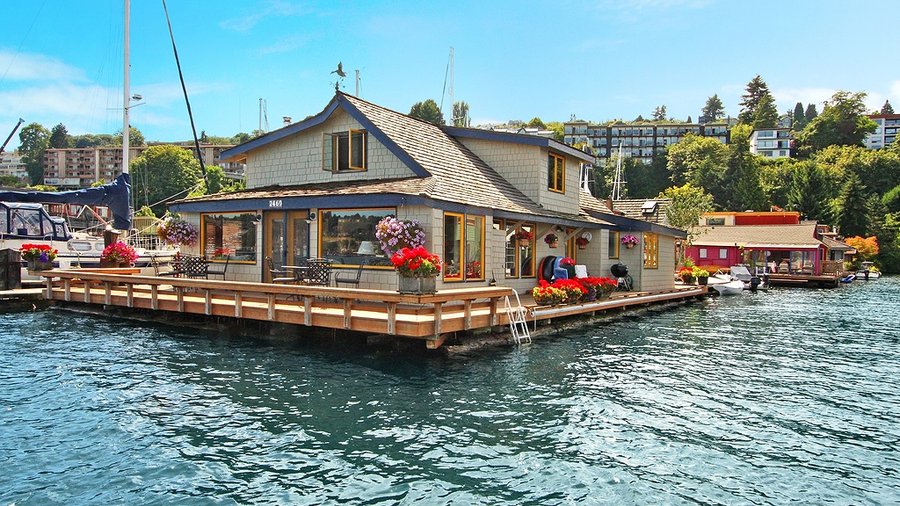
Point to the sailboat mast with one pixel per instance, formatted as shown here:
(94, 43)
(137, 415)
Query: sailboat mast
(126, 129)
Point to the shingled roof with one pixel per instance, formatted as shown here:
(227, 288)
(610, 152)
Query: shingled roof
(759, 236)
(632, 209)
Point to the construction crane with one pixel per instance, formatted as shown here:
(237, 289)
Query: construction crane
(11, 134)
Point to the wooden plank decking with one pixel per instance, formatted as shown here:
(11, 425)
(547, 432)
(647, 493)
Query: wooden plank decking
(428, 317)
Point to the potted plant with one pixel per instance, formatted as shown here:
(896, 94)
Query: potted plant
(629, 241)
(177, 232)
(551, 239)
(702, 275)
(38, 256)
(417, 269)
(582, 242)
(394, 234)
(118, 254)
(523, 237)
(687, 275)
(546, 294)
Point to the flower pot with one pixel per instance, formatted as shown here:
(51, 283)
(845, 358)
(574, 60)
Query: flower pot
(702, 280)
(37, 265)
(418, 286)
(524, 243)
(554, 244)
(582, 246)
(629, 245)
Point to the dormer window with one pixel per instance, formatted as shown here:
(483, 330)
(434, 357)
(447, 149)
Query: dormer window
(556, 173)
(344, 151)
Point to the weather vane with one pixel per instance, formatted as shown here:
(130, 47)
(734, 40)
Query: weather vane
(341, 75)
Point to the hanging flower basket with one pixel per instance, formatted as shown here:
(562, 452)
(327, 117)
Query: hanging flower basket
(582, 242)
(629, 241)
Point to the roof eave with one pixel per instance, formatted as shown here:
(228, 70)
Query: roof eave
(530, 140)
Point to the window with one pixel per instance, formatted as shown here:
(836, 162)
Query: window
(703, 253)
(463, 247)
(715, 221)
(651, 250)
(519, 252)
(613, 244)
(344, 151)
(232, 234)
(343, 231)
(723, 253)
(556, 173)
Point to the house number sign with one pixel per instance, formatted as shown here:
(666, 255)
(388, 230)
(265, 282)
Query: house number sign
(276, 203)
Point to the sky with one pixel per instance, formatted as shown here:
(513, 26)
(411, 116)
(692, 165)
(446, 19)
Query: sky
(61, 61)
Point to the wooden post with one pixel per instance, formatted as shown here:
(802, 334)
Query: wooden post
(467, 322)
(392, 318)
(67, 288)
(271, 299)
(348, 311)
(107, 298)
(129, 294)
(179, 296)
(307, 310)
(87, 291)
(438, 306)
(154, 297)
(208, 297)
(238, 304)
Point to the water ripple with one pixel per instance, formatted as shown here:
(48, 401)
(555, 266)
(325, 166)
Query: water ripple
(769, 398)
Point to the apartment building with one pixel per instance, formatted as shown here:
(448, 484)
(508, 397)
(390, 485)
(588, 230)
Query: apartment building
(772, 142)
(639, 140)
(886, 132)
(11, 165)
(74, 168)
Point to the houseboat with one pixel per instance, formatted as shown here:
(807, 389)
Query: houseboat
(488, 202)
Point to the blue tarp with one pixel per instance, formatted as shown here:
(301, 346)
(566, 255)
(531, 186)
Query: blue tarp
(115, 195)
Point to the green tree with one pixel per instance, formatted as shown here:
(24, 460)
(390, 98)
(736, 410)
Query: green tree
(853, 209)
(536, 123)
(886, 108)
(699, 161)
(639, 119)
(218, 182)
(427, 111)
(811, 191)
(557, 128)
(461, 116)
(59, 137)
(755, 91)
(713, 109)
(810, 113)
(135, 137)
(843, 122)
(765, 115)
(742, 189)
(688, 204)
(240, 138)
(163, 173)
(33, 141)
(799, 120)
(646, 181)
(891, 199)
(659, 114)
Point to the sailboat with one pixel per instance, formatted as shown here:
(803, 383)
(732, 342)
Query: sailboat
(23, 219)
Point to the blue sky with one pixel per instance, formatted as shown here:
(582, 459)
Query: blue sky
(61, 61)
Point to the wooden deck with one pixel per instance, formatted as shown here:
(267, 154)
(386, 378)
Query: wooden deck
(804, 280)
(427, 317)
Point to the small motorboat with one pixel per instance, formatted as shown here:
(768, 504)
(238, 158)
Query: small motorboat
(848, 278)
(868, 271)
(733, 287)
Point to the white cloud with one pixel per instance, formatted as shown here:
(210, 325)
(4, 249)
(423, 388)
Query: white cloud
(36, 67)
(271, 8)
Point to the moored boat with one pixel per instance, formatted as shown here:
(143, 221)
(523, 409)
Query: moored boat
(867, 271)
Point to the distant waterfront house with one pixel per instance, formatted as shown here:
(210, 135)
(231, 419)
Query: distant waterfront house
(776, 241)
(318, 187)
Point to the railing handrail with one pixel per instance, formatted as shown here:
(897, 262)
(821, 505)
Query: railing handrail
(455, 294)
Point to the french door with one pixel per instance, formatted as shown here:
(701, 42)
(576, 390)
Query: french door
(286, 239)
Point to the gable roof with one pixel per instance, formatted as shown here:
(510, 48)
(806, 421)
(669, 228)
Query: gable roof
(448, 171)
(759, 236)
(517, 138)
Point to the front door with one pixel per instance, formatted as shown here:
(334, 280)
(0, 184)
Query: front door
(286, 240)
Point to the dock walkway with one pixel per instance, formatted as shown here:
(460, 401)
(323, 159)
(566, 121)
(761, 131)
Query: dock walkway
(427, 317)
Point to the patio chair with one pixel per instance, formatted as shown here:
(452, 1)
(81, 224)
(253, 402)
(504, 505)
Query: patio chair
(348, 278)
(318, 271)
(218, 269)
(280, 276)
(195, 267)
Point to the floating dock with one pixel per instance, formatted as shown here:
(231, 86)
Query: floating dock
(431, 317)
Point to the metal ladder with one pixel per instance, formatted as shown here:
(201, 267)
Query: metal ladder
(518, 325)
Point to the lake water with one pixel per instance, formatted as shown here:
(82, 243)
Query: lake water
(791, 396)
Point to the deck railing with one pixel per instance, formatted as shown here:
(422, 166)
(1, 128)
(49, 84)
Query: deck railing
(374, 311)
